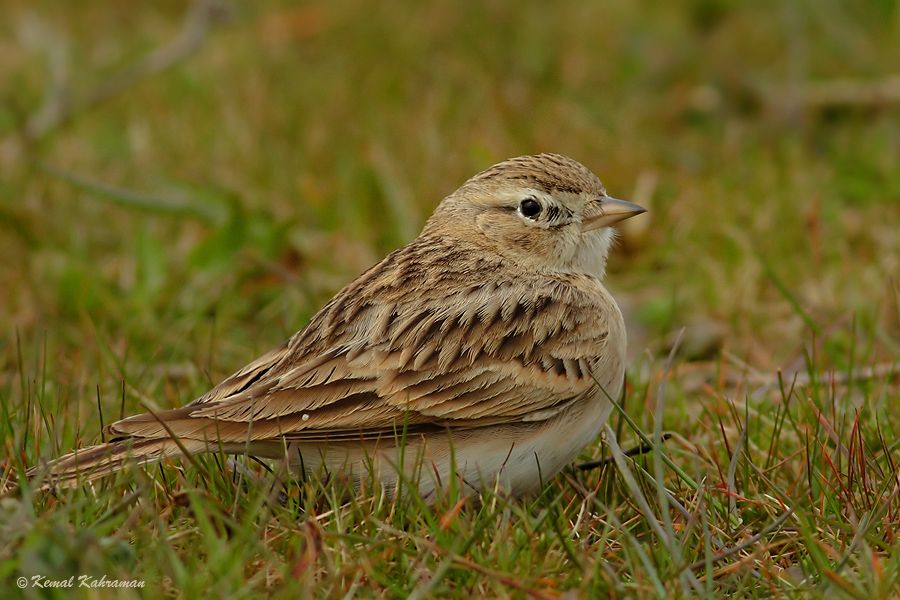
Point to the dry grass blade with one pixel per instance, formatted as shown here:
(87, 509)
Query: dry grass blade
(688, 579)
(750, 542)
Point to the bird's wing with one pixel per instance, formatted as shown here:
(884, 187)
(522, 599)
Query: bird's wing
(379, 357)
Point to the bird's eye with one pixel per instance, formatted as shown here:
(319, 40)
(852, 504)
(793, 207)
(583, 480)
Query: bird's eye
(529, 207)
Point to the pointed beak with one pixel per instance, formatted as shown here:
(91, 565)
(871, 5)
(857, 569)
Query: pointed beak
(609, 211)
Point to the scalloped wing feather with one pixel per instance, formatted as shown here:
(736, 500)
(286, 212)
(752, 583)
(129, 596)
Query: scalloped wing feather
(396, 348)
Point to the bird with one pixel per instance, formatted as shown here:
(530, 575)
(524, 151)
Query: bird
(485, 352)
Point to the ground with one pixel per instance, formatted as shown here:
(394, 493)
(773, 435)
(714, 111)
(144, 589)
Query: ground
(180, 193)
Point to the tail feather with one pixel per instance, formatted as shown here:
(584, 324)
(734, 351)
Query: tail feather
(94, 462)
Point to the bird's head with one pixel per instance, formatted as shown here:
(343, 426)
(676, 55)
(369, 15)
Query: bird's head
(547, 212)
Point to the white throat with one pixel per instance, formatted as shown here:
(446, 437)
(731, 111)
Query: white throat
(590, 257)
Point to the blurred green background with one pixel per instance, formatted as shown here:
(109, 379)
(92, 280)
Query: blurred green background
(294, 144)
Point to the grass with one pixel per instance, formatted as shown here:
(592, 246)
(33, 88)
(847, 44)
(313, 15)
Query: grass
(164, 237)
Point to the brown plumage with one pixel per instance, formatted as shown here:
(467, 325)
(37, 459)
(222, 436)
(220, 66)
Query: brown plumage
(485, 338)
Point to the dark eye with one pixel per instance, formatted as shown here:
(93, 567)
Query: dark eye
(529, 207)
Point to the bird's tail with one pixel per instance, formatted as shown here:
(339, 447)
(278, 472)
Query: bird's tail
(148, 438)
(94, 462)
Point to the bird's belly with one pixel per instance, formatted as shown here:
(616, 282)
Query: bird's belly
(535, 457)
(517, 459)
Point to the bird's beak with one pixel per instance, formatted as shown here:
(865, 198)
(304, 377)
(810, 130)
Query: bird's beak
(608, 211)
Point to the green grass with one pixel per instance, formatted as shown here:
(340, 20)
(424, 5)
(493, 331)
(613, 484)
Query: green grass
(160, 240)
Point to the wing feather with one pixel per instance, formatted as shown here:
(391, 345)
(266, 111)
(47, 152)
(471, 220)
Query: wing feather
(390, 350)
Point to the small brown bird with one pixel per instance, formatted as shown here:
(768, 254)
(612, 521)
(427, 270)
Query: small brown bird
(484, 350)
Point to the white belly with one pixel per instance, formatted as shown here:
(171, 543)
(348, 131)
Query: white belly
(517, 459)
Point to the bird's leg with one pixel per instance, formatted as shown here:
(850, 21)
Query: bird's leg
(635, 451)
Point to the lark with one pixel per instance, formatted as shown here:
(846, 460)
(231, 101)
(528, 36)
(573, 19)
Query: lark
(485, 350)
